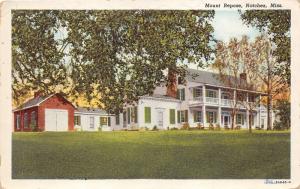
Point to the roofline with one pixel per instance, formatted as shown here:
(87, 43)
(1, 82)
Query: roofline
(38, 104)
(92, 113)
(165, 99)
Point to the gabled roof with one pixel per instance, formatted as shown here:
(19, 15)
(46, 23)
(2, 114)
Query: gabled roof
(36, 101)
(205, 77)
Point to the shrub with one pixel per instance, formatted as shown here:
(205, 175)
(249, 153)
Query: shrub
(173, 128)
(155, 128)
(143, 129)
(257, 128)
(277, 126)
(200, 126)
(226, 127)
(33, 127)
(185, 126)
(99, 128)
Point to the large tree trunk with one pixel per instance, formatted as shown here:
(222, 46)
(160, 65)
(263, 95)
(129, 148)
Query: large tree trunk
(250, 121)
(172, 83)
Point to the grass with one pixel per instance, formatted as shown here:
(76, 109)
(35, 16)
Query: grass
(151, 155)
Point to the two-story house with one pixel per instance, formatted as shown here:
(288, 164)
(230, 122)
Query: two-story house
(202, 99)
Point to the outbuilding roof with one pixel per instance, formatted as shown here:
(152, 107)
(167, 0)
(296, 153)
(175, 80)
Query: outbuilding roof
(90, 110)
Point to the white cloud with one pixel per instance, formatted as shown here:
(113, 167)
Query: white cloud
(227, 24)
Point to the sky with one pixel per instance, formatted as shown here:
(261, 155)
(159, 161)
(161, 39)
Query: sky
(227, 24)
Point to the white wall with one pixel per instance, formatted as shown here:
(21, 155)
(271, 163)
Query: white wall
(156, 105)
(85, 122)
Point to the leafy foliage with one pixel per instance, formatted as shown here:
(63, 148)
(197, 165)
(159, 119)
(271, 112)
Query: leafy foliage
(283, 108)
(37, 56)
(277, 24)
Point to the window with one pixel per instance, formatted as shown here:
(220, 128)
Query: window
(118, 119)
(26, 120)
(18, 121)
(33, 119)
(181, 94)
(197, 116)
(240, 119)
(172, 116)
(109, 122)
(92, 122)
(147, 114)
(197, 92)
(211, 93)
(77, 120)
(180, 81)
(211, 117)
(103, 121)
(182, 116)
(262, 125)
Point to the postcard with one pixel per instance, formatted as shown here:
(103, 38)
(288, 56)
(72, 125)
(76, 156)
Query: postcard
(148, 94)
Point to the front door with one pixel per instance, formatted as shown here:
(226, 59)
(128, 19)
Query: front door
(226, 120)
(160, 119)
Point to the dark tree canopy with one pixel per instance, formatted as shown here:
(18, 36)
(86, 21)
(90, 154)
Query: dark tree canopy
(117, 55)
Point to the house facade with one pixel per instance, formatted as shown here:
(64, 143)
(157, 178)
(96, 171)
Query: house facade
(45, 113)
(201, 100)
(92, 119)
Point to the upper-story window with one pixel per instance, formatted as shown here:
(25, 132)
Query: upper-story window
(180, 81)
(211, 93)
(181, 94)
(197, 92)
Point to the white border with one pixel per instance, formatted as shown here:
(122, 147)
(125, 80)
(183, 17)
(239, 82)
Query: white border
(6, 108)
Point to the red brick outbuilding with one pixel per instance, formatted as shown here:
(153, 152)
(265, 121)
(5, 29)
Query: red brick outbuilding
(45, 113)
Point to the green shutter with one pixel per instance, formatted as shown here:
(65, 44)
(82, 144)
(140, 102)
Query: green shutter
(183, 94)
(178, 116)
(109, 121)
(147, 114)
(135, 114)
(195, 116)
(186, 118)
(194, 92)
(172, 116)
(128, 115)
(177, 94)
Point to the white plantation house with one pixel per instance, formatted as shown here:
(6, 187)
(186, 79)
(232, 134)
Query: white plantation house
(203, 99)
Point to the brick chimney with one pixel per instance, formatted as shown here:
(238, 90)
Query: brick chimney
(243, 76)
(38, 93)
(172, 83)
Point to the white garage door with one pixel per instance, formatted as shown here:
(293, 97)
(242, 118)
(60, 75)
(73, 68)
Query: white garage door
(56, 120)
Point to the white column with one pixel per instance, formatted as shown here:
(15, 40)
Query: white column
(247, 113)
(203, 93)
(203, 107)
(219, 108)
(204, 115)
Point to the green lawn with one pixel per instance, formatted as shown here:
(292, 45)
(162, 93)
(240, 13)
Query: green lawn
(151, 154)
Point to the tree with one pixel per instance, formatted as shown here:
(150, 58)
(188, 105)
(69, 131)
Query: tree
(124, 54)
(228, 65)
(37, 56)
(283, 111)
(276, 23)
(237, 64)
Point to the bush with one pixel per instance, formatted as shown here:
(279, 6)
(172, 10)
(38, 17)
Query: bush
(185, 126)
(173, 128)
(200, 126)
(226, 127)
(143, 129)
(277, 126)
(155, 128)
(257, 128)
(33, 127)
